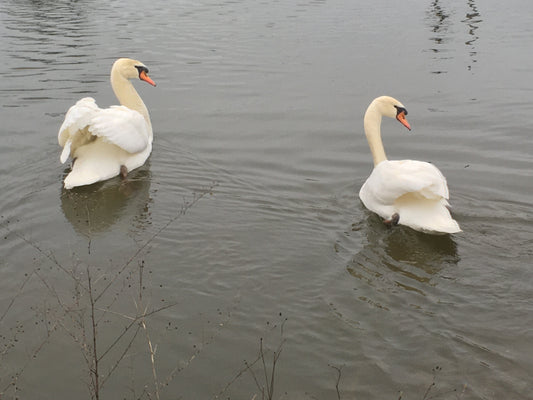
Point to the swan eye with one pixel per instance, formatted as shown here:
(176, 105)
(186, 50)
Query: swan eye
(400, 109)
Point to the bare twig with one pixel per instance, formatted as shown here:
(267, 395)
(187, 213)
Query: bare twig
(90, 231)
(151, 348)
(247, 367)
(86, 314)
(269, 377)
(181, 212)
(134, 320)
(21, 288)
(13, 382)
(94, 370)
(121, 357)
(339, 372)
(435, 370)
(199, 349)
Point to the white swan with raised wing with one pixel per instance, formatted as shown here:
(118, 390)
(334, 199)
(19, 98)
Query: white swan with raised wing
(406, 192)
(104, 143)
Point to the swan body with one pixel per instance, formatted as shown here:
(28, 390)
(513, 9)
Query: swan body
(407, 192)
(107, 142)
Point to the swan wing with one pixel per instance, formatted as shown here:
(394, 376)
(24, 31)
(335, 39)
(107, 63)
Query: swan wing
(392, 179)
(121, 126)
(76, 119)
(416, 190)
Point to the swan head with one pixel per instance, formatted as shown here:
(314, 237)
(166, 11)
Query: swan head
(131, 69)
(392, 108)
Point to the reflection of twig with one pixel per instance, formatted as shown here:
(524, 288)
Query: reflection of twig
(237, 376)
(269, 376)
(180, 213)
(269, 381)
(21, 288)
(339, 372)
(435, 370)
(95, 375)
(90, 232)
(50, 256)
(121, 357)
(15, 377)
(82, 315)
(151, 348)
(433, 384)
(199, 349)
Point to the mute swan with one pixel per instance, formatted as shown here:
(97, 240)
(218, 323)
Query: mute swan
(406, 192)
(104, 143)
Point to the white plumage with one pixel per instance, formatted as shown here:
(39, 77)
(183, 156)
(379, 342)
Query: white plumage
(107, 142)
(414, 191)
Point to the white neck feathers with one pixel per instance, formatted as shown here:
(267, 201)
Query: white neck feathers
(127, 95)
(372, 126)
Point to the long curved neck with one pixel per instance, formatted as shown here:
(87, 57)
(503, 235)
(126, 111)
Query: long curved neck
(372, 125)
(128, 96)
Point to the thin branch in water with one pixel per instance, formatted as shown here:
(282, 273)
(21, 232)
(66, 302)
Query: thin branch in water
(85, 318)
(121, 357)
(21, 288)
(151, 348)
(199, 349)
(12, 384)
(246, 367)
(94, 370)
(183, 211)
(269, 380)
(435, 370)
(48, 256)
(134, 320)
(339, 372)
(249, 369)
(90, 232)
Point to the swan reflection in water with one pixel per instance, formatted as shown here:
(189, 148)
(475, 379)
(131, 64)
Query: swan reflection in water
(97, 208)
(401, 257)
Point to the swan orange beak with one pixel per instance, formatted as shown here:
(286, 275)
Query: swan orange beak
(143, 76)
(401, 117)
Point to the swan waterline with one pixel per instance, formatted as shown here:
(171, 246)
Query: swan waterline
(406, 192)
(104, 143)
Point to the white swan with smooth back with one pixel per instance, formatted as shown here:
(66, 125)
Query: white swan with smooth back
(406, 192)
(104, 143)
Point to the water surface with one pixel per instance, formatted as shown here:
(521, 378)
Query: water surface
(246, 221)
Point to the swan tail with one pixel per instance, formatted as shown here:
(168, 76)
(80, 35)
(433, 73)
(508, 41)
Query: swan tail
(432, 218)
(87, 171)
(75, 179)
(95, 162)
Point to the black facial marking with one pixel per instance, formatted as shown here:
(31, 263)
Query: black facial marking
(141, 68)
(400, 109)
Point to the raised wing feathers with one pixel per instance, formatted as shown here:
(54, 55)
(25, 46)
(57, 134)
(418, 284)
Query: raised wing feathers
(78, 117)
(121, 126)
